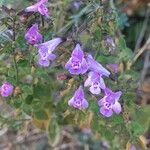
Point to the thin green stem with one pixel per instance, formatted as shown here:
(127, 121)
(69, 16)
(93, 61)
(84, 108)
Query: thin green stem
(16, 69)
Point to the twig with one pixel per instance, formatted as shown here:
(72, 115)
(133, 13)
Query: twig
(146, 66)
(16, 68)
(143, 30)
(140, 51)
(14, 56)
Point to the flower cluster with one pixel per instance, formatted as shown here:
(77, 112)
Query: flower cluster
(80, 64)
(6, 89)
(33, 37)
(44, 49)
(45, 55)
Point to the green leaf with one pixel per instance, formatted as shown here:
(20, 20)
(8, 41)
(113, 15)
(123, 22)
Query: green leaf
(41, 115)
(27, 89)
(117, 119)
(125, 52)
(136, 129)
(107, 133)
(106, 59)
(53, 132)
(29, 99)
(27, 108)
(42, 92)
(37, 104)
(142, 116)
(17, 102)
(23, 63)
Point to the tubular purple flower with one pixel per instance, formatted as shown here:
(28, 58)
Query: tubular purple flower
(133, 147)
(6, 89)
(109, 103)
(96, 67)
(114, 67)
(33, 36)
(39, 7)
(45, 51)
(95, 82)
(77, 64)
(78, 101)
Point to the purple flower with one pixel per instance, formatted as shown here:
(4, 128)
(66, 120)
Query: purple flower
(77, 4)
(105, 144)
(113, 67)
(6, 89)
(77, 63)
(39, 7)
(33, 36)
(45, 51)
(133, 147)
(96, 67)
(109, 103)
(78, 101)
(96, 82)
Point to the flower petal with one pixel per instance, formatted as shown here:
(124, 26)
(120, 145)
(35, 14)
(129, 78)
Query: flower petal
(79, 93)
(42, 51)
(71, 101)
(102, 83)
(78, 101)
(39, 6)
(95, 66)
(6, 89)
(76, 72)
(84, 66)
(51, 57)
(133, 147)
(32, 35)
(43, 10)
(95, 90)
(117, 95)
(51, 45)
(32, 8)
(108, 91)
(88, 81)
(68, 64)
(43, 62)
(77, 52)
(116, 107)
(85, 104)
(106, 112)
(102, 101)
